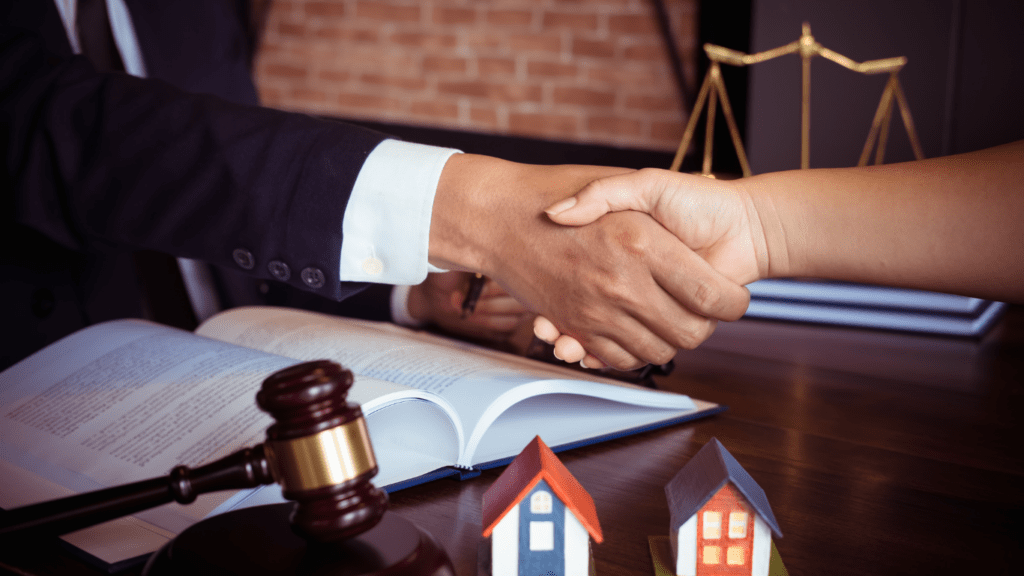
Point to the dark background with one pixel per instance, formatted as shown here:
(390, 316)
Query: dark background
(964, 79)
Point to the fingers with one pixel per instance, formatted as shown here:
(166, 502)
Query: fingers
(697, 285)
(545, 330)
(496, 324)
(592, 362)
(695, 296)
(439, 301)
(634, 191)
(491, 289)
(672, 296)
(497, 311)
(493, 300)
(610, 353)
(567, 348)
(664, 297)
(675, 325)
(499, 305)
(684, 297)
(627, 339)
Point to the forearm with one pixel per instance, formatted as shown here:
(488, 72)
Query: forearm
(951, 224)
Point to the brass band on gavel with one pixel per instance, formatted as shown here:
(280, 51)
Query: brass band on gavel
(328, 458)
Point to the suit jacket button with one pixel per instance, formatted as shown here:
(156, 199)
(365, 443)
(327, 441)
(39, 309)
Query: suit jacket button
(279, 270)
(313, 277)
(244, 258)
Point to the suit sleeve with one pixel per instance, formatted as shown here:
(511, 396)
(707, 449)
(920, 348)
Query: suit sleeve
(91, 157)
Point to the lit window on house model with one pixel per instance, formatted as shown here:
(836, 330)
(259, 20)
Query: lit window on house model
(712, 525)
(738, 524)
(540, 502)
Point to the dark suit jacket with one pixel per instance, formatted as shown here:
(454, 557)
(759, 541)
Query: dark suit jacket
(184, 162)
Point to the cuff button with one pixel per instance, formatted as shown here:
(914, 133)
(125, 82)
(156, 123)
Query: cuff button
(313, 277)
(373, 266)
(244, 258)
(279, 270)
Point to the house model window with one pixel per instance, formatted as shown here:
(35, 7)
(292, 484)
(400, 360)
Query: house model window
(735, 556)
(737, 525)
(542, 535)
(540, 502)
(712, 525)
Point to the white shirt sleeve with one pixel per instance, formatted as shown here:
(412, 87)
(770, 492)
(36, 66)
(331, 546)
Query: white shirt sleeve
(400, 308)
(386, 227)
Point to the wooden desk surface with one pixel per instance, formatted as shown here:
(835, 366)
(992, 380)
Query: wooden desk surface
(880, 454)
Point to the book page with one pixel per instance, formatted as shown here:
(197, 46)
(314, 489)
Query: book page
(567, 419)
(478, 382)
(129, 400)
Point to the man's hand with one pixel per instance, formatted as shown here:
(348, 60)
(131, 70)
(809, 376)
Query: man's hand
(624, 287)
(438, 301)
(714, 219)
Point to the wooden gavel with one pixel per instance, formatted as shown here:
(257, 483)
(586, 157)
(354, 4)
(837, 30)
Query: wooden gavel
(318, 450)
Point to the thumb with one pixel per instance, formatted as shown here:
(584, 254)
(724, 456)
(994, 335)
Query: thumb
(611, 194)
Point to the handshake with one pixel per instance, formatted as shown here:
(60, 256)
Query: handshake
(719, 247)
(626, 267)
(628, 288)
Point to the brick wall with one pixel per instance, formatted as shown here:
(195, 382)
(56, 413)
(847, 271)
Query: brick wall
(593, 71)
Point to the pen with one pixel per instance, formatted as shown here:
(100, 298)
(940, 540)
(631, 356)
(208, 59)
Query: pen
(476, 286)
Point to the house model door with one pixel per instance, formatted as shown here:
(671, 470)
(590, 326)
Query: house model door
(541, 533)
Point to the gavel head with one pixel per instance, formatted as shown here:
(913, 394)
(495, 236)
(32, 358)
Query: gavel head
(319, 451)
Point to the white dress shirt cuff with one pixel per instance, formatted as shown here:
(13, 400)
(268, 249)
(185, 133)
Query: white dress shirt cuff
(386, 228)
(400, 308)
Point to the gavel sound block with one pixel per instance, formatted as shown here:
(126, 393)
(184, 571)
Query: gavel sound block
(319, 450)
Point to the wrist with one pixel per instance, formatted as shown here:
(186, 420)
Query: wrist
(767, 233)
(457, 239)
(486, 209)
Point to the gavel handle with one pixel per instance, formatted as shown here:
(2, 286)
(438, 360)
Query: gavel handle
(244, 469)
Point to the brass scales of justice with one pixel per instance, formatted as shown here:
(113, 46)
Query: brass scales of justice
(807, 47)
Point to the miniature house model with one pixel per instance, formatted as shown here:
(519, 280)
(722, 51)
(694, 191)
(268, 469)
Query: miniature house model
(721, 522)
(539, 518)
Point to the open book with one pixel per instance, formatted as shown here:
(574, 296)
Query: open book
(129, 400)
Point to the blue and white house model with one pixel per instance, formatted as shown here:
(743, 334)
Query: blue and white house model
(539, 518)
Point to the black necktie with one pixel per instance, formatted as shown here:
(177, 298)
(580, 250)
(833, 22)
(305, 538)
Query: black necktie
(164, 298)
(95, 36)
